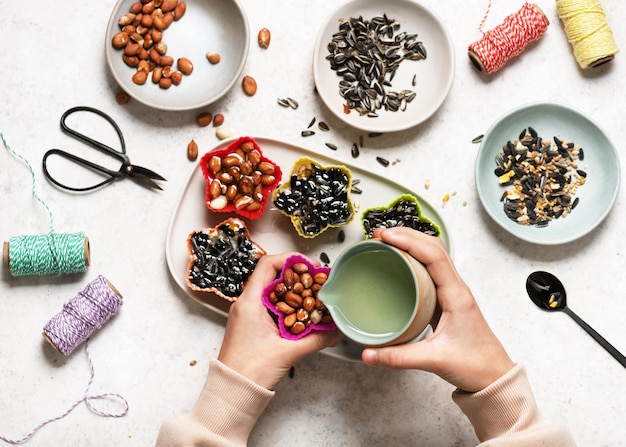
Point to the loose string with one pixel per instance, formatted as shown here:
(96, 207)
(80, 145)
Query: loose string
(53, 253)
(507, 40)
(75, 324)
(587, 31)
(86, 398)
(32, 173)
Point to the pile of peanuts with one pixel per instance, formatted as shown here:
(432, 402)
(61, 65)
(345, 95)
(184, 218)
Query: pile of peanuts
(141, 39)
(296, 298)
(238, 179)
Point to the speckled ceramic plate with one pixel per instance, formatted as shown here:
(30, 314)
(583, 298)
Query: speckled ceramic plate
(601, 163)
(217, 26)
(273, 231)
(433, 75)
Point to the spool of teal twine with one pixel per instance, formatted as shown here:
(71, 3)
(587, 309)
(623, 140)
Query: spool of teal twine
(48, 254)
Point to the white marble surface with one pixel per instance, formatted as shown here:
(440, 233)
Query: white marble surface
(53, 58)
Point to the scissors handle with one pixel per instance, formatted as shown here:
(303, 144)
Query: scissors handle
(112, 175)
(90, 141)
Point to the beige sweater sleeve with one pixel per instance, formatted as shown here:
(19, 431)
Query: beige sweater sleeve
(224, 414)
(506, 414)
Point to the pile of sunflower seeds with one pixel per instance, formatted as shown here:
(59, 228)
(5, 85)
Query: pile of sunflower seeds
(404, 213)
(543, 175)
(224, 258)
(367, 54)
(317, 200)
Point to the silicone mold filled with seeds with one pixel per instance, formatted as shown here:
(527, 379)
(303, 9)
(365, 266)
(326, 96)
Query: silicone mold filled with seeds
(240, 178)
(293, 298)
(316, 197)
(542, 178)
(404, 211)
(222, 258)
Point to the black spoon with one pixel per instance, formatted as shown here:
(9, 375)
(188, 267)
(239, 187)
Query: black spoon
(548, 293)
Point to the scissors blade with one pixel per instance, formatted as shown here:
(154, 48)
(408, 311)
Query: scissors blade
(145, 172)
(145, 177)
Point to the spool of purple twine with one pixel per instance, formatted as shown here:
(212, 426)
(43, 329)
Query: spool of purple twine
(82, 315)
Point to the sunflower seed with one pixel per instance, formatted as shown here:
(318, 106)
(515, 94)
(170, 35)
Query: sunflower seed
(282, 102)
(292, 103)
(311, 123)
(331, 146)
(323, 126)
(478, 139)
(341, 236)
(382, 161)
(324, 258)
(355, 150)
(307, 133)
(367, 54)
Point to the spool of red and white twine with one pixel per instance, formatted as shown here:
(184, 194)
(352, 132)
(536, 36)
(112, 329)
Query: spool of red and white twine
(507, 40)
(74, 325)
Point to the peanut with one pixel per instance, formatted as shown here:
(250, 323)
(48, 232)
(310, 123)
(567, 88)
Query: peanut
(297, 300)
(140, 39)
(122, 98)
(185, 65)
(214, 58)
(192, 150)
(218, 120)
(264, 38)
(249, 85)
(204, 119)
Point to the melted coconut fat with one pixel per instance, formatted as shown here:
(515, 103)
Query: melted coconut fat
(375, 293)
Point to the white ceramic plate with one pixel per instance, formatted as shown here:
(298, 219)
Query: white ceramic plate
(601, 163)
(273, 231)
(218, 26)
(433, 75)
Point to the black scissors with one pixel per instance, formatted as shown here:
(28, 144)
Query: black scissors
(140, 174)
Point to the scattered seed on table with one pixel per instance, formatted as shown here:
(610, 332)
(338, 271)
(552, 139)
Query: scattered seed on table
(445, 200)
(292, 372)
(324, 258)
(311, 123)
(361, 140)
(382, 161)
(414, 80)
(375, 134)
(323, 126)
(282, 102)
(341, 236)
(581, 154)
(478, 139)
(331, 146)
(355, 190)
(307, 133)
(355, 150)
(292, 103)
(427, 183)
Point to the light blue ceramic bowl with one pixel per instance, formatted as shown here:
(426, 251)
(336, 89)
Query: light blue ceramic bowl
(601, 163)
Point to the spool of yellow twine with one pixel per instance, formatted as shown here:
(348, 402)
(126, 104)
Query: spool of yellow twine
(588, 31)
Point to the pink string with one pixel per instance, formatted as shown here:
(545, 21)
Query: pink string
(80, 317)
(510, 38)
